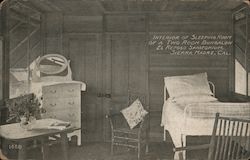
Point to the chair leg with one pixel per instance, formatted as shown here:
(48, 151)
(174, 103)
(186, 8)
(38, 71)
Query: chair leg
(139, 151)
(112, 147)
(146, 150)
(146, 141)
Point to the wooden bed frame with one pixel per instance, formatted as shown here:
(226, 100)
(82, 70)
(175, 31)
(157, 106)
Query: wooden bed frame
(183, 138)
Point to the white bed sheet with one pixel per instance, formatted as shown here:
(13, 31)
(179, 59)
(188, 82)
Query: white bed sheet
(177, 121)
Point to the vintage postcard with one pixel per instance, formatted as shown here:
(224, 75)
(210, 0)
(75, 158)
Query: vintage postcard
(125, 80)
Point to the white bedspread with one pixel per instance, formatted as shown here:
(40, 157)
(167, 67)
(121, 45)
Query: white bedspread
(197, 118)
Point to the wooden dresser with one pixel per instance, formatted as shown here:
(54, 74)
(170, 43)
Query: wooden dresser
(63, 101)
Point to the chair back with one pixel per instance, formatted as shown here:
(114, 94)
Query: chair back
(230, 139)
(118, 119)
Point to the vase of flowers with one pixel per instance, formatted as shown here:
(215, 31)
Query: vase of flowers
(24, 109)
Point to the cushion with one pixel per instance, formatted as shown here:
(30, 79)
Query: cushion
(187, 85)
(134, 114)
(194, 99)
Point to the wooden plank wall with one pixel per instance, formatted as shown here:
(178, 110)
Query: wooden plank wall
(4, 59)
(53, 32)
(25, 43)
(159, 65)
(1, 58)
(1, 69)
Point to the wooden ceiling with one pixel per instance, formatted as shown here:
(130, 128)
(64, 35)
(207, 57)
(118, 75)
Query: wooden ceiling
(98, 7)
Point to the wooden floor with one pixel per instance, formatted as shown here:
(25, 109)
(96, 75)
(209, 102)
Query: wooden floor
(101, 151)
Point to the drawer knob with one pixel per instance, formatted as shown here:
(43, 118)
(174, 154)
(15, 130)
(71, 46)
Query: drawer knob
(52, 91)
(71, 90)
(53, 104)
(71, 114)
(71, 103)
(43, 110)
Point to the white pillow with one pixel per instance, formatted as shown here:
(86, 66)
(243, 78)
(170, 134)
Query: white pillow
(187, 85)
(194, 99)
(134, 114)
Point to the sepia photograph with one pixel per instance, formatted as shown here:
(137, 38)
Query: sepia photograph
(125, 80)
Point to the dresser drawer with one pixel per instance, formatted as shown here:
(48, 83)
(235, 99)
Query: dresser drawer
(59, 104)
(61, 90)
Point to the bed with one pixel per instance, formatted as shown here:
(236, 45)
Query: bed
(190, 105)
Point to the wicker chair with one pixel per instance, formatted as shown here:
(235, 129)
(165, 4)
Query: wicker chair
(230, 140)
(122, 135)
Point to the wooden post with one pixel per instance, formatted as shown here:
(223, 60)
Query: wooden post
(246, 51)
(212, 143)
(6, 48)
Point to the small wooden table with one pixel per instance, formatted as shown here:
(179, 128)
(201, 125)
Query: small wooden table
(14, 132)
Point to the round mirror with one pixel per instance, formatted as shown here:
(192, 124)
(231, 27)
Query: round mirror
(52, 64)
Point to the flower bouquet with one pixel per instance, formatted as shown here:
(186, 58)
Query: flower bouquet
(23, 108)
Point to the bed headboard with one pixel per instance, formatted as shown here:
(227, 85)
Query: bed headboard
(211, 84)
(212, 87)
